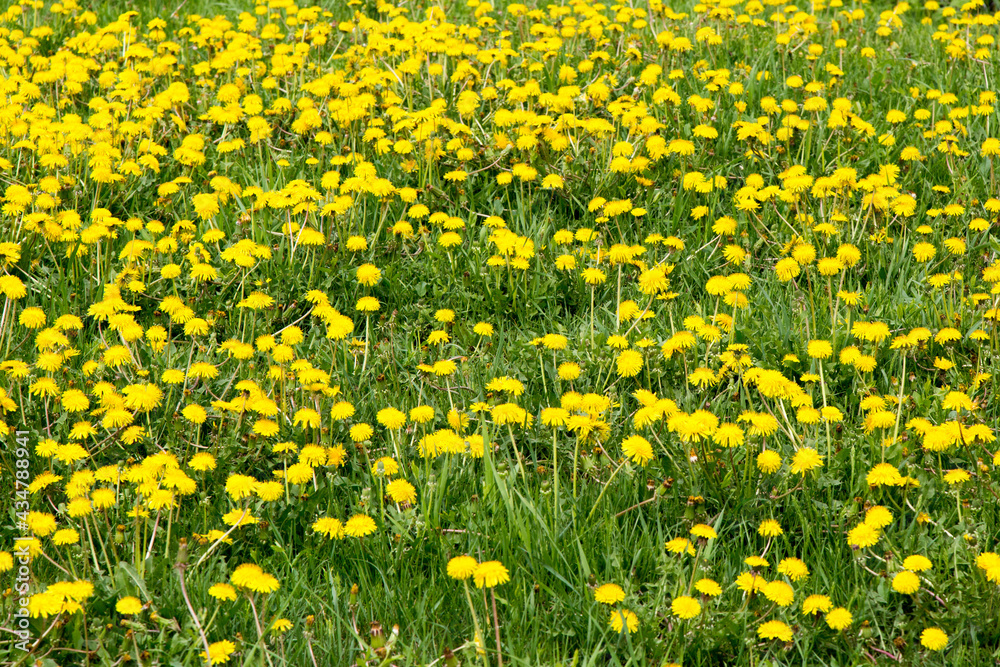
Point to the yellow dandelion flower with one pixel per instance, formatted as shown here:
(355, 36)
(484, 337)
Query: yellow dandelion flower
(609, 594)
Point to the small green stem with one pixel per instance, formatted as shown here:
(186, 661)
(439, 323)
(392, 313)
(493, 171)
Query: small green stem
(694, 572)
(822, 384)
(520, 460)
(555, 475)
(604, 490)
(479, 641)
(899, 406)
(364, 363)
(592, 318)
(576, 458)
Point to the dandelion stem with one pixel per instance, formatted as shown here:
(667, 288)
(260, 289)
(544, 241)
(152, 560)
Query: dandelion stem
(694, 570)
(364, 364)
(555, 473)
(604, 490)
(791, 431)
(381, 498)
(235, 525)
(899, 408)
(592, 317)
(822, 384)
(541, 369)
(181, 567)
(260, 631)
(496, 628)
(958, 503)
(639, 504)
(520, 459)
(475, 624)
(152, 539)
(576, 458)
(104, 550)
(93, 552)
(618, 300)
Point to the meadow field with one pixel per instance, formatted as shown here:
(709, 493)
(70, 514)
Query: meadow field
(445, 332)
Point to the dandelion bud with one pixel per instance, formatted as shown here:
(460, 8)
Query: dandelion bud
(163, 622)
(377, 636)
(182, 552)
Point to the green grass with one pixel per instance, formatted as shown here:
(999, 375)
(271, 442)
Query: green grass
(612, 517)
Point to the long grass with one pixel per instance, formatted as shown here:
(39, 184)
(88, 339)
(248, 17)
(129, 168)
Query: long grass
(499, 208)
